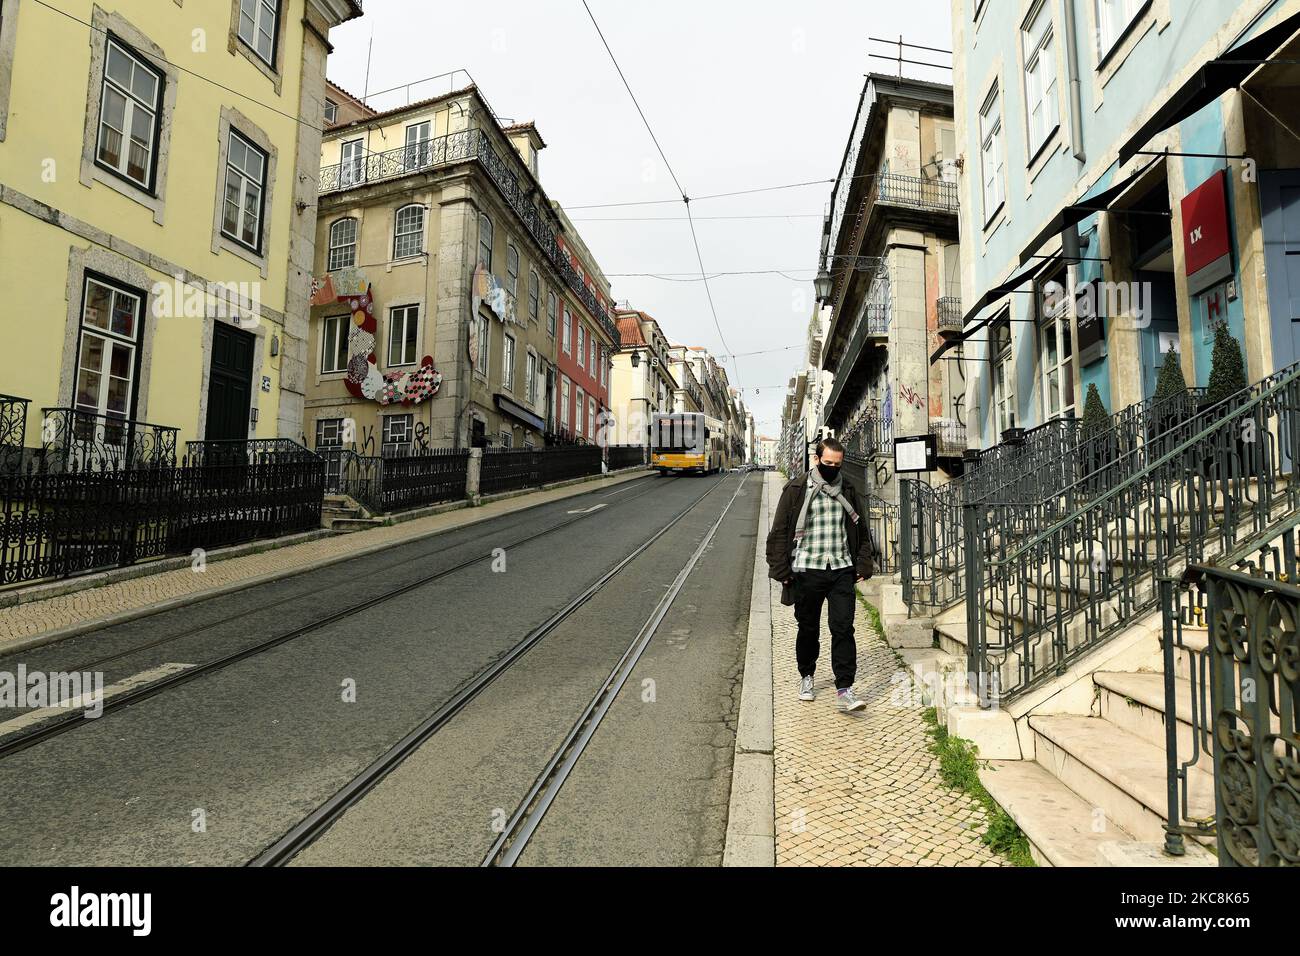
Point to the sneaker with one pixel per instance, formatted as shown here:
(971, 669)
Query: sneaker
(849, 701)
(805, 689)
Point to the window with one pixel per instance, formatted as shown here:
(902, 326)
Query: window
(1040, 76)
(991, 153)
(604, 370)
(128, 116)
(591, 418)
(484, 337)
(343, 244)
(352, 157)
(397, 435)
(1004, 389)
(512, 270)
(582, 346)
(485, 242)
(578, 417)
(408, 232)
(508, 363)
(257, 26)
(334, 343)
(591, 355)
(567, 340)
(1113, 19)
(245, 186)
(419, 148)
(534, 295)
(403, 334)
(1057, 345)
(564, 402)
(530, 378)
(507, 439)
(550, 314)
(110, 320)
(331, 112)
(329, 433)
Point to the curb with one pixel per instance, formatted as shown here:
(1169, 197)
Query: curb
(135, 614)
(751, 816)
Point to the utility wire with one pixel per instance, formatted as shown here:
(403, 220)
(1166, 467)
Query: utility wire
(686, 200)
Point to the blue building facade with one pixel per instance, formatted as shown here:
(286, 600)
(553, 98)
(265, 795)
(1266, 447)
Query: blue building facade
(1161, 137)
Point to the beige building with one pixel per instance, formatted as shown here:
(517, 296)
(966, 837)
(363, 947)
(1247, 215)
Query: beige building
(643, 381)
(450, 290)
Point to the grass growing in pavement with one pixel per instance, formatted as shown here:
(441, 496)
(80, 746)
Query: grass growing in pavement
(959, 769)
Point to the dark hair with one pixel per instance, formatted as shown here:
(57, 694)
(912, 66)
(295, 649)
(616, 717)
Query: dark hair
(829, 444)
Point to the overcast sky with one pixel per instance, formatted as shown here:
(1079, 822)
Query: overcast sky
(742, 94)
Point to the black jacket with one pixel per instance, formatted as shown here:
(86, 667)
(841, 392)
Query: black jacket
(780, 540)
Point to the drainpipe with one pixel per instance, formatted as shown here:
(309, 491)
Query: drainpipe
(1072, 67)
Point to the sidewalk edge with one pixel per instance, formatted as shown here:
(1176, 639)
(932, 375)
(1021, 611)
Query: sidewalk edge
(751, 817)
(134, 614)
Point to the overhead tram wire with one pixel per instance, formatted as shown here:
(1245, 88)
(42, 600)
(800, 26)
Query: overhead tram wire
(686, 200)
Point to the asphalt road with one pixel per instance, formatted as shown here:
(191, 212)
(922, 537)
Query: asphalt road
(213, 771)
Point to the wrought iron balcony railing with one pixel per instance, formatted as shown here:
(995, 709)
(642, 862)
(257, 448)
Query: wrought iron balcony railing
(949, 314)
(917, 192)
(249, 451)
(950, 437)
(872, 323)
(75, 439)
(472, 145)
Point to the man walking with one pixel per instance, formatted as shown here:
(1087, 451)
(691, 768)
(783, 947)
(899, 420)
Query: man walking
(817, 548)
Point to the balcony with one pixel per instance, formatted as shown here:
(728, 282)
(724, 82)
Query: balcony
(950, 322)
(75, 439)
(870, 329)
(950, 437)
(471, 145)
(933, 195)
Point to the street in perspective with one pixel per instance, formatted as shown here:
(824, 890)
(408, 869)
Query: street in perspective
(789, 435)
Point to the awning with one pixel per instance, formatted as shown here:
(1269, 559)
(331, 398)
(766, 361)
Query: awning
(1225, 72)
(1080, 211)
(515, 410)
(988, 298)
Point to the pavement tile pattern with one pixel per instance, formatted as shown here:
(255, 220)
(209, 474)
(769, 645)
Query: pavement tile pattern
(862, 789)
(133, 594)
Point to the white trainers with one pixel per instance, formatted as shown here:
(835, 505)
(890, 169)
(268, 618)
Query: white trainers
(806, 689)
(849, 701)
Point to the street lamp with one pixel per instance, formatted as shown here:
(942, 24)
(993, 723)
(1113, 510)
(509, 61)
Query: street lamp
(822, 285)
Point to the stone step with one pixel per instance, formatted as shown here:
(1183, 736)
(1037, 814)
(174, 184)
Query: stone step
(1135, 702)
(1116, 772)
(348, 525)
(1059, 824)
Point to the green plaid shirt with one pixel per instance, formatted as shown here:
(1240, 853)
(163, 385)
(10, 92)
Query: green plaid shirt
(824, 545)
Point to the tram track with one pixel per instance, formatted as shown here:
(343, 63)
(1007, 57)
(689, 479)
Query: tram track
(318, 822)
(57, 726)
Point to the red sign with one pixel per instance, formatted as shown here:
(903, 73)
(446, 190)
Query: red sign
(1207, 244)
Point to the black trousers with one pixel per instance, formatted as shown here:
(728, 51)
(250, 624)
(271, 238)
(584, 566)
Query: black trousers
(836, 590)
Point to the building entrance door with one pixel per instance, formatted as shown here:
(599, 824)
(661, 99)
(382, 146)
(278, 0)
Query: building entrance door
(230, 383)
(1279, 195)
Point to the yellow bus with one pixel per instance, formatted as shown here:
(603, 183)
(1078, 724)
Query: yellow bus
(688, 441)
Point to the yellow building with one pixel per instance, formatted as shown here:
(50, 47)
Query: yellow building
(158, 188)
(455, 304)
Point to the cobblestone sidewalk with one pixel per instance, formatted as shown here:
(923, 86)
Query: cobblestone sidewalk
(862, 789)
(136, 594)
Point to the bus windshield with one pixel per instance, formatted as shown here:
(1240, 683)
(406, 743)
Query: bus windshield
(679, 434)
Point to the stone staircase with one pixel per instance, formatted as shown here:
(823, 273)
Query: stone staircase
(342, 514)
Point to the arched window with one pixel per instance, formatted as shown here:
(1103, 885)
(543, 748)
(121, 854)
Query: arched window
(512, 270)
(485, 242)
(534, 294)
(408, 232)
(343, 244)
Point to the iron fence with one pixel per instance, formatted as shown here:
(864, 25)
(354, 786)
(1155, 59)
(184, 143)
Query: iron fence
(1046, 589)
(950, 317)
(882, 524)
(13, 431)
(932, 547)
(76, 519)
(433, 476)
(1254, 708)
(626, 456)
(73, 438)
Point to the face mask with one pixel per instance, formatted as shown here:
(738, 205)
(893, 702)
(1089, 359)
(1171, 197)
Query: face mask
(829, 473)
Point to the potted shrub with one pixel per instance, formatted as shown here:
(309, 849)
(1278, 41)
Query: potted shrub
(1170, 405)
(1094, 430)
(1227, 378)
